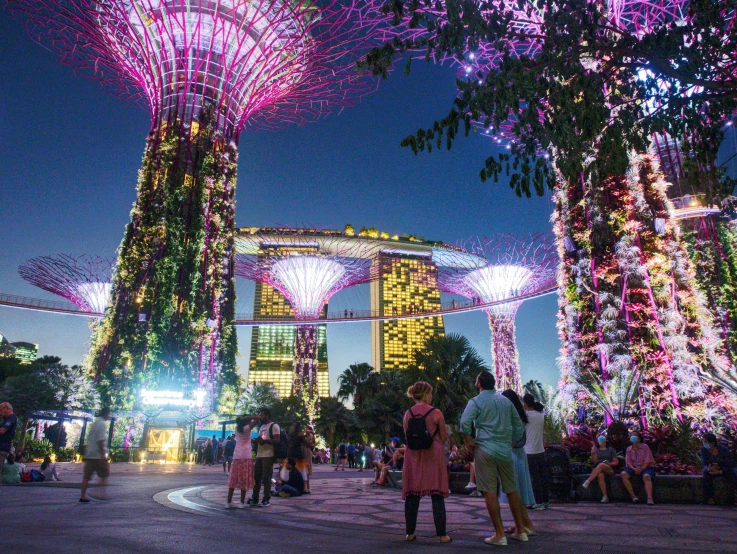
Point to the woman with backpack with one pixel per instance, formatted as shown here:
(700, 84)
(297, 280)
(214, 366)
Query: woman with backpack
(424, 472)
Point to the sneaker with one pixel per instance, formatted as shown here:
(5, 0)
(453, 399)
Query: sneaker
(252, 502)
(547, 505)
(538, 507)
(241, 505)
(470, 486)
(229, 506)
(530, 532)
(84, 500)
(476, 494)
(521, 537)
(493, 541)
(586, 484)
(650, 502)
(635, 500)
(264, 503)
(605, 499)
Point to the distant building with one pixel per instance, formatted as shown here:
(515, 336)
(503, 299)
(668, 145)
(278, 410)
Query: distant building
(272, 346)
(408, 284)
(6, 349)
(26, 352)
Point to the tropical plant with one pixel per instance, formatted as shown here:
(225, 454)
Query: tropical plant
(382, 409)
(451, 365)
(73, 388)
(333, 421)
(27, 393)
(352, 380)
(256, 397)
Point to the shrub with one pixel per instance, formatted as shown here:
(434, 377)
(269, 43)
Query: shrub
(65, 455)
(36, 449)
(670, 464)
(579, 445)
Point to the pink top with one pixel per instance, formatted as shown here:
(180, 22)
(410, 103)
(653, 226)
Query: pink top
(243, 444)
(636, 459)
(424, 472)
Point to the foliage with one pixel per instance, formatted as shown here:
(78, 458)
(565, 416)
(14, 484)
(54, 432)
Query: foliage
(174, 270)
(65, 455)
(352, 380)
(574, 80)
(37, 449)
(256, 397)
(334, 420)
(671, 464)
(29, 392)
(579, 445)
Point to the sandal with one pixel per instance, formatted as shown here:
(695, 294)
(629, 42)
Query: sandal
(410, 538)
(445, 539)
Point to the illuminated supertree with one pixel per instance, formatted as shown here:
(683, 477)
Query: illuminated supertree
(502, 268)
(204, 69)
(83, 280)
(308, 272)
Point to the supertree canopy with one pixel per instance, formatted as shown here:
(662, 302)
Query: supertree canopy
(204, 69)
(83, 280)
(502, 268)
(308, 272)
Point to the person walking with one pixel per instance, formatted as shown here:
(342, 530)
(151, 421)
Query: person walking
(497, 426)
(268, 436)
(535, 449)
(241, 471)
(8, 425)
(95, 454)
(424, 472)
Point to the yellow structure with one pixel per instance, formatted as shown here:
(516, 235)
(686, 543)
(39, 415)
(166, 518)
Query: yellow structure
(272, 346)
(408, 284)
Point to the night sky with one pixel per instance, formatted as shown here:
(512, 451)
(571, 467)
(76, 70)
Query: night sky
(71, 152)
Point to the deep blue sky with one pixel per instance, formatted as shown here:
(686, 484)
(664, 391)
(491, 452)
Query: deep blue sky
(70, 156)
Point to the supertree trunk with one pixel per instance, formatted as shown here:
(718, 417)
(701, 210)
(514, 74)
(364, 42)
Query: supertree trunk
(304, 385)
(504, 349)
(637, 340)
(170, 318)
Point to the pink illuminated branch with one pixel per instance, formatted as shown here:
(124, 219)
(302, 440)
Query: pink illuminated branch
(83, 280)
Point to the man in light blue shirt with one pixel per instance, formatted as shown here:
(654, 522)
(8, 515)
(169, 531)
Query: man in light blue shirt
(497, 426)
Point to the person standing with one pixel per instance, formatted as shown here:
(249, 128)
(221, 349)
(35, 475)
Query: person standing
(268, 436)
(535, 449)
(342, 456)
(215, 445)
(7, 431)
(95, 454)
(228, 451)
(309, 446)
(241, 471)
(360, 453)
(351, 456)
(521, 469)
(424, 472)
(497, 426)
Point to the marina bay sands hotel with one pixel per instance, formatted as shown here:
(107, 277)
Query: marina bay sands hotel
(406, 282)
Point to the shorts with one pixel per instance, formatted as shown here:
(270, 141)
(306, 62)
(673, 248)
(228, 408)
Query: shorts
(489, 469)
(631, 472)
(229, 459)
(99, 466)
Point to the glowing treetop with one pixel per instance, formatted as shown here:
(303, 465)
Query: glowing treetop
(282, 60)
(83, 280)
(503, 267)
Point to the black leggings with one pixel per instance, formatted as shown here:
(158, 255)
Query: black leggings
(412, 506)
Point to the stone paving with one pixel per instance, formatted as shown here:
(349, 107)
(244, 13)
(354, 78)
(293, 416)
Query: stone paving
(343, 509)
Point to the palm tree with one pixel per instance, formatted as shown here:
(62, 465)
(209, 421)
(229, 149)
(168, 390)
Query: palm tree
(352, 381)
(333, 419)
(256, 397)
(451, 365)
(382, 407)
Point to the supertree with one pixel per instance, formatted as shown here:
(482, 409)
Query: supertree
(308, 269)
(83, 280)
(632, 324)
(204, 69)
(501, 268)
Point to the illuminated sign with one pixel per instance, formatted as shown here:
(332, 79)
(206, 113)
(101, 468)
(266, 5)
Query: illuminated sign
(172, 398)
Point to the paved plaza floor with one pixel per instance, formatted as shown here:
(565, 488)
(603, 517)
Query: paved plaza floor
(180, 508)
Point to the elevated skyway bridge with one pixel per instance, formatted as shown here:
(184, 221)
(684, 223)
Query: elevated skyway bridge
(683, 211)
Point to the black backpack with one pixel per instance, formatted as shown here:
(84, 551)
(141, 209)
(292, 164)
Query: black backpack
(418, 437)
(281, 448)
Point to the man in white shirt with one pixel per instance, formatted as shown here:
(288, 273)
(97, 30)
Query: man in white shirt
(95, 453)
(268, 435)
(535, 450)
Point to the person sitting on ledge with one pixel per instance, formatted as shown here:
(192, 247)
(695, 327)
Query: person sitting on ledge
(605, 460)
(717, 461)
(639, 461)
(11, 471)
(295, 486)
